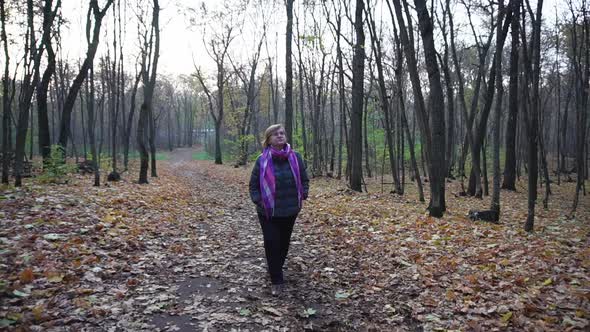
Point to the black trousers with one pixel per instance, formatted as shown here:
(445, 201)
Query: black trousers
(277, 237)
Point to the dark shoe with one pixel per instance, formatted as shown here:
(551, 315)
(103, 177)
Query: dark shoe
(276, 289)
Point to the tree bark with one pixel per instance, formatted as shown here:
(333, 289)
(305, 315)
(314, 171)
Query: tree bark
(436, 116)
(532, 122)
(509, 181)
(98, 14)
(6, 104)
(356, 120)
(146, 118)
(289, 73)
(30, 80)
(376, 44)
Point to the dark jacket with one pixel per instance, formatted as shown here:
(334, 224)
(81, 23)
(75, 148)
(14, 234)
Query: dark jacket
(286, 202)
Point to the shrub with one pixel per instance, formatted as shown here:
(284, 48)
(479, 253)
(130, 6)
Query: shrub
(55, 169)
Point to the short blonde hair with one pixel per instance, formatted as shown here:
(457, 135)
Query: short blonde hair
(268, 133)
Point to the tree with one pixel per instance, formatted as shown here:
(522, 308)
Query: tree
(32, 62)
(356, 120)
(533, 72)
(509, 180)
(289, 72)
(495, 205)
(432, 125)
(218, 49)
(146, 124)
(42, 117)
(376, 44)
(68, 107)
(580, 47)
(5, 97)
(248, 80)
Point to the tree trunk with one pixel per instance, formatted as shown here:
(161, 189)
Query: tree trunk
(289, 73)
(509, 181)
(532, 116)
(129, 124)
(146, 126)
(495, 205)
(92, 125)
(432, 126)
(356, 121)
(376, 45)
(365, 134)
(436, 152)
(6, 104)
(582, 86)
(142, 138)
(30, 80)
(68, 107)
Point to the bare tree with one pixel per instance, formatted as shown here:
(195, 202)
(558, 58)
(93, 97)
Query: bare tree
(532, 59)
(432, 125)
(580, 45)
(98, 14)
(376, 44)
(356, 120)
(289, 72)
(146, 125)
(495, 205)
(33, 54)
(42, 111)
(5, 97)
(509, 180)
(248, 80)
(218, 49)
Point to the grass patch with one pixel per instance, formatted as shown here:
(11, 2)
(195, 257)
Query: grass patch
(203, 155)
(159, 155)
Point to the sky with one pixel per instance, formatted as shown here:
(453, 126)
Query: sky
(182, 41)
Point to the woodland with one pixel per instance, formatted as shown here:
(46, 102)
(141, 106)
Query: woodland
(446, 141)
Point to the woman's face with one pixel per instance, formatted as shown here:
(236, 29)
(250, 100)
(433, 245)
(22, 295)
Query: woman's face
(278, 139)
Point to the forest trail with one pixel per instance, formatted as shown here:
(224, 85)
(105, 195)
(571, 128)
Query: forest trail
(185, 253)
(223, 284)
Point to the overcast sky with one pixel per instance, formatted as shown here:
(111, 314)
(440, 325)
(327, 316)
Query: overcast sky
(182, 41)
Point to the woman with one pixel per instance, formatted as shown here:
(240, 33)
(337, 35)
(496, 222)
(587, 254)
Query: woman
(278, 185)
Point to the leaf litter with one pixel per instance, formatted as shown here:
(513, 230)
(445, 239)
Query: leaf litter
(185, 253)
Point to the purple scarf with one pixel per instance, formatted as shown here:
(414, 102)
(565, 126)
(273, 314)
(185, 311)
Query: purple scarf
(267, 176)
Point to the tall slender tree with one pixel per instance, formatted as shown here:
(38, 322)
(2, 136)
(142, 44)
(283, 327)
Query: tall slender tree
(289, 72)
(146, 123)
(356, 120)
(98, 14)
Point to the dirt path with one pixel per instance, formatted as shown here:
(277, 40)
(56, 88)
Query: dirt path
(221, 283)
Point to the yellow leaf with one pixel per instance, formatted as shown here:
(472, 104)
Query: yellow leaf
(506, 317)
(450, 295)
(56, 278)
(108, 218)
(38, 312)
(26, 276)
(547, 282)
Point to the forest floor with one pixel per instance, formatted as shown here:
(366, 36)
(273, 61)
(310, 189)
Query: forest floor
(184, 253)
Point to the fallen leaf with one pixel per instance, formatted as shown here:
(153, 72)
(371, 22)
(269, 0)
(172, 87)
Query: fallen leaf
(52, 237)
(26, 276)
(272, 311)
(19, 293)
(308, 312)
(341, 295)
(547, 282)
(506, 317)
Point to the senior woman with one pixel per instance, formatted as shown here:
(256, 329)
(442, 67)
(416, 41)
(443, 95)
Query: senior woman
(278, 185)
